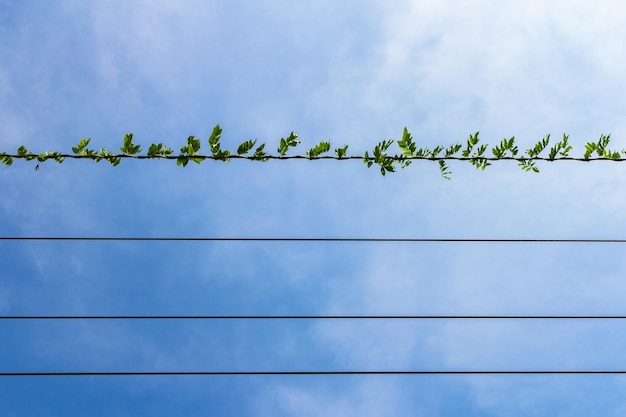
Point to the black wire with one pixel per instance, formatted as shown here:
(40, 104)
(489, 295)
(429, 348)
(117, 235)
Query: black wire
(268, 373)
(33, 156)
(310, 239)
(318, 317)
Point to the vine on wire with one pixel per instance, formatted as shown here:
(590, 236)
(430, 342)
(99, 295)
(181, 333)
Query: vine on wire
(480, 155)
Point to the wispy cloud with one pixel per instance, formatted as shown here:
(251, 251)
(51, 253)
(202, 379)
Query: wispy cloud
(354, 73)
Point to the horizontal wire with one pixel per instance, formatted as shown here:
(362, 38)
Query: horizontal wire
(34, 157)
(269, 373)
(318, 317)
(306, 239)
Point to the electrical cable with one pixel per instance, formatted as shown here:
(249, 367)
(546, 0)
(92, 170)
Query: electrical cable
(269, 373)
(312, 239)
(311, 317)
(315, 317)
(98, 157)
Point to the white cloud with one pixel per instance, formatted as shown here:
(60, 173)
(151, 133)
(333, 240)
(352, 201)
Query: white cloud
(448, 68)
(375, 397)
(445, 69)
(155, 41)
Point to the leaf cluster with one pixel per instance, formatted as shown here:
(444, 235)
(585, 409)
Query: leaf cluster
(600, 148)
(216, 147)
(290, 142)
(319, 149)
(380, 157)
(190, 152)
(474, 152)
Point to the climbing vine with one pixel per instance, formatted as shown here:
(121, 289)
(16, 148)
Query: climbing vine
(480, 155)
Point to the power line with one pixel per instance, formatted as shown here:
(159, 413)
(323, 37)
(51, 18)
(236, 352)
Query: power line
(304, 239)
(270, 373)
(315, 317)
(98, 157)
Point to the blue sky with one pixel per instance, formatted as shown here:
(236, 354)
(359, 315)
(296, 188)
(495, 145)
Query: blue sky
(355, 73)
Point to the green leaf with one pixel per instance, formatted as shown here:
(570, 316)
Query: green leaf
(260, 154)
(341, 152)
(189, 152)
(154, 149)
(80, 149)
(214, 139)
(6, 160)
(565, 146)
(453, 149)
(24, 153)
(109, 156)
(561, 148)
(286, 143)
(245, 147)
(539, 147)
(221, 156)
(601, 147)
(319, 149)
(443, 168)
(506, 146)
(214, 144)
(590, 147)
(384, 168)
(602, 144)
(129, 147)
(194, 145)
(471, 142)
(182, 160)
(54, 155)
(159, 150)
(381, 158)
(407, 145)
(366, 159)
